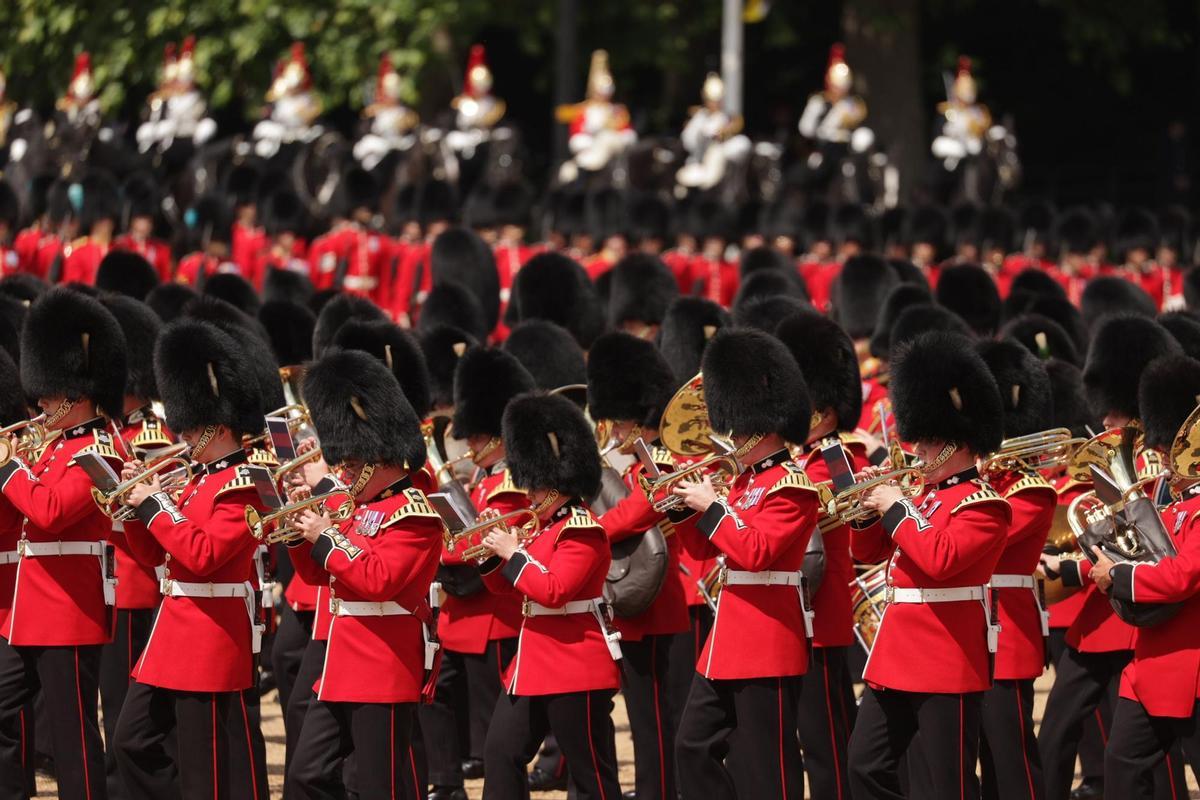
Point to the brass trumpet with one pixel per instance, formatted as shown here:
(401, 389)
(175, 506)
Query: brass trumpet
(1049, 449)
(258, 524)
(848, 505)
(278, 473)
(727, 465)
(23, 438)
(476, 549)
(168, 460)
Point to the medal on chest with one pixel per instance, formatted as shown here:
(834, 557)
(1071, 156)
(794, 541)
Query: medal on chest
(368, 523)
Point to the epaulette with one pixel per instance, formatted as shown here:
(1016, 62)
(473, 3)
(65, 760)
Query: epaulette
(1028, 480)
(102, 445)
(416, 505)
(580, 519)
(151, 436)
(505, 486)
(261, 457)
(795, 478)
(663, 457)
(985, 494)
(242, 479)
(847, 438)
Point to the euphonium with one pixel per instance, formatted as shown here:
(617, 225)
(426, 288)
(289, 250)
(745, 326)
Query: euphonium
(168, 460)
(1043, 450)
(848, 505)
(473, 535)
(664, 485)
(258, 524)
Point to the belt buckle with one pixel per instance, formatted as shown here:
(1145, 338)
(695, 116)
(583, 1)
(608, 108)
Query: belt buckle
(889, 594)
(21, 549)
(164, 586)
(335, 605)
(526, 608)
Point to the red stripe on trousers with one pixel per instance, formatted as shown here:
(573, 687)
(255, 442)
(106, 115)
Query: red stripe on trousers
(592, 747)
(87, 779)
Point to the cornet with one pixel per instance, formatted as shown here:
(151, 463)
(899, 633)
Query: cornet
(848, 506)
(278, 473)
(29, 436)
(476, 549)
(726, 464)
(1039, 451)
(169, 460)
(258, 524)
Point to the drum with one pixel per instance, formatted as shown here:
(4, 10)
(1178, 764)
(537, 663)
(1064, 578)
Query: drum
(867, 602)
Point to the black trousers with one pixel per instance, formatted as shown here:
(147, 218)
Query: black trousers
(247, 750)
(117, 659)
(458, 719)
(1095, 729)
(377, 733)
(645, 671)
(1140, 743)
(69, 678)
(303, 696)
(825, 718)
(582, 725)
(287, 651)
(198, 769)
(1008, 752)
(763, 712)
(888, 720)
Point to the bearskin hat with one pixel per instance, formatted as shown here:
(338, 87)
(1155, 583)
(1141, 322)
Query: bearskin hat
(205, 378)
(169, 299)
(642, 288)
(1122, 346)
(360, 413)
(549, 444)
(850, 224)
(1191, 288)
(141, 327)
(283, 212)
(1029, 285)
(765, 313)
(235, 290)
(399, 351)
(451, 303)
(942, 390)
(126, 273)
(998, 229)
(210, 219)
(335, 312)
(23, 286)
(1137, 229)
(72, 346)
(513, 203)
(782, 219)
(1076, 230)
(553, 287)
(1109, 294)
(1035, 222)
(241, 183)
(649, 219)
(283, 284)
(10, 208)
(758, 259)
(435, 202)
(478, 212)
(964, 224)
(969, 291)
(443, 346)
(923, 318)
(357, 189)
(928, 225)
(484, 381)
(140, 195)
(770, 283)
(1065, 313)
(1175, 223)
(549, 352)
(12, 400)
(753, 385)
(1042, 336)
(858, 293)
(460, 256)
(1071, 408)
(828, 363)
(910, 273)
(12, 319)
(710, 219)
(1168, 392)
(900, 298)
(1024, 386)
(687, 328)
(250, 335)
(628, 379)
(290, 329)
(1186, 330)
(101, 199)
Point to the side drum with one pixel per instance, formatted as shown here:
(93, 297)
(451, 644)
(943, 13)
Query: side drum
(867, 602)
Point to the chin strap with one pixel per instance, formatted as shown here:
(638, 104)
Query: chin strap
(626, 445)
(210, 431)
(485, 451)
(549, 500)
(750, 444)
(63, 409)
(948, 450)
(364, 477)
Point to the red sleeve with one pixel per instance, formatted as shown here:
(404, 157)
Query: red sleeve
(559, 580)
(51, 508)
(309, 570)
(786, 515)
(629, 517)
(1171, 580)
(145, 548)
(390, 562)
(870, 544)
(941, 552)
(201, 549)
(1027, 506)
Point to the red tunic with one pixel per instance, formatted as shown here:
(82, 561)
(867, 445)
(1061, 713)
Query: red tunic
(1164, 675)
(27, 243)
(1022, 650)
(156, 251)
(818, 278)
(387, 552)
(764, 524)
(195, 266)
(81, 259)
(245, 246)
(272, 259)
(718, 280)
(203, 539)
(50, 249)
(680, 264)
(55, 495)
(414, 279)
(10, 261)
(633, 515)
(366, 256)
(1097, 628)
(950, 537)
(559, 653)
(1064, 612)
(11, 521)
(467, 624)
(137, 583)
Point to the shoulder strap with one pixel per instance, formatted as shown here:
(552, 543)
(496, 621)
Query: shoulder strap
(984, 494)
(242, 479)
(150, 436)
(1029, 480)
(794, 478)
(415, 505)
(505, 486)
(101, 445)
(581, 518)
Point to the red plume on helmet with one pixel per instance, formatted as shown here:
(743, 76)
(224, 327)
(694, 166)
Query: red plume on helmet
(83, 65)
(478, 80)
(837, 73)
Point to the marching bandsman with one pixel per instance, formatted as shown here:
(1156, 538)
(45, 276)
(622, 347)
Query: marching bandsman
(827, 704)
(477, 628)
(564, 674)
(98, 211)
(378, 564)
(208, 610)
(1012, 766)
(748, 676)
(629, 384)
(73, 362)
(1157, 706)
(931, 659)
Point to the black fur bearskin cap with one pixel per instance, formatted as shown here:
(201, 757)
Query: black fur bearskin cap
(858, 293)
(555, 288)
(1108, 295)
(1121, 348)
(141, 327)
(1168, 392)
(970, 292)
(642, 289)
(628, 379)
(12, 399)
(753, 385)
(687, 328)
(1186, 330)
(923, 318)
(549, 444)
(334, 314)
(1024, 386)
(828, 363)
(205, 378)
(290, 328)
(443, 347)
(126, 273)
(900, 298)
(1042, 336)
(398, 350)
(235, 290)
(169, 299)
(549, 352)
(458, 255)
(1071, 409)
(451, 303)
(484, 382)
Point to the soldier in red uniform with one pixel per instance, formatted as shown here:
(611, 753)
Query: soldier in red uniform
(141, 210)
(208, 610)
(208, 237)
(73, 361)
(378, 564)
(1157, 707)
(98, 214)
(247, 237)
(1012, 766)
(564, 674)
(630, 383)
(478, 628)
(352, 256)
(434, 207)
(931, 659)
(827, 703)
(640, 290)
(748, 676)
(61, 226)
(284, 247)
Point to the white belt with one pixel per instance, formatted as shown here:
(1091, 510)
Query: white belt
(28, 549)
(9, 557)
(359, 283)
(354, 608)
(737, 577)
(953, 595)
(1011, 582)
(174, 588)
(532, 609)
